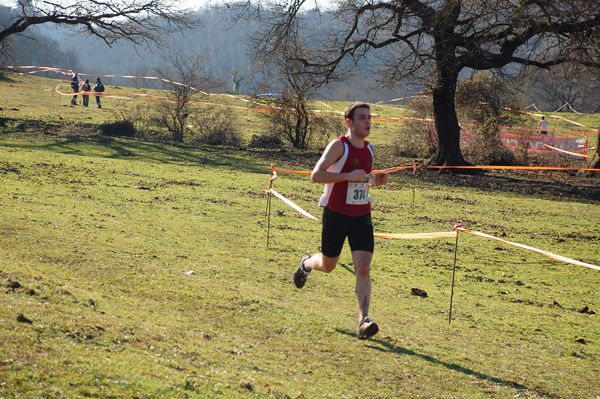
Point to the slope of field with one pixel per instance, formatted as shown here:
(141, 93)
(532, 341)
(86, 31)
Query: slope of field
(141, 270)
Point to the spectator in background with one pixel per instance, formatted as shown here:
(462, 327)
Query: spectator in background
(99, 88)
(543, 126)
(75, 87)
(85, 88)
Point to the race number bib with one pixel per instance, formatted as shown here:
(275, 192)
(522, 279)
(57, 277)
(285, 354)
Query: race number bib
(358, 193)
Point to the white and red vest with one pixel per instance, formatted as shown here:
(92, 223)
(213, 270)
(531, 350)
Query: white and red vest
(335, 194)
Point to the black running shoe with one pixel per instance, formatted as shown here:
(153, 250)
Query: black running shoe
(301, 273)
(367, 329)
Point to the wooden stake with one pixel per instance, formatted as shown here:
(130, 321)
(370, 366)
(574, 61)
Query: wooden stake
(414, 184)
(268, 216)
(453, 275)
(268, 210)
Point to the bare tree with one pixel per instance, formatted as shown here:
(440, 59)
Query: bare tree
(436, 40)
(291, 88)
(237, 89)
(564, 84)
(137, 21)
(36, 49)
(184, 79)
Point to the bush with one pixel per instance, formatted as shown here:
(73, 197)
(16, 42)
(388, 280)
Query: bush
(489, 103)
(266, 140)
(118, 129)
(323, 130)
(485, 148)
(215, 127)
(140, 115)
(416, 139)
(219, 136)
(413, 141)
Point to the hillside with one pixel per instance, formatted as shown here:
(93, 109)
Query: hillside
(137, 269)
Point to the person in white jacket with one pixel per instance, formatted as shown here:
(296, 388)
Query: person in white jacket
(543, 126)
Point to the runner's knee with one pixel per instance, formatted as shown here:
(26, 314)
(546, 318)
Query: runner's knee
(329, 264)
(362, 269)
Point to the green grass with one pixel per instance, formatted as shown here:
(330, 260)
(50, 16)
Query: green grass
(144, 271)
(31, 98)
(105, 242)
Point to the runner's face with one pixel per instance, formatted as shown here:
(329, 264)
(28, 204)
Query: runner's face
(362, 122)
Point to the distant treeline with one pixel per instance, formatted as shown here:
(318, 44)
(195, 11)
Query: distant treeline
(227, 50)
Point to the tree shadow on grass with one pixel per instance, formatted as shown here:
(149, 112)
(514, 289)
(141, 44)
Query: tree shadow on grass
(564, 185)
(387, 347)
(123, 148)
(6, 78)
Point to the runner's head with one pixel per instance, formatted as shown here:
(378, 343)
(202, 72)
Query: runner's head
(349, 111)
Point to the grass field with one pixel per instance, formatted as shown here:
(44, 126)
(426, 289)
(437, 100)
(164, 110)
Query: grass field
(33, 98)
(140, 270)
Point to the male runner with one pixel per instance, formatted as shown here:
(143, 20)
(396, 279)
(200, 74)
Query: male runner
(345, 168)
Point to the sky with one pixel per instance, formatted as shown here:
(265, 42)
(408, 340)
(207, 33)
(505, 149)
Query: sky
(189, 3)
(194, 4)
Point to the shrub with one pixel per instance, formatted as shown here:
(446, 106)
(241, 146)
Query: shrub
(266, 140)
(140, 116)
(413, 141)
(488, 102)
(118, 128)
(322, 130)
(416, 139)
(485, 148)
(215, 127)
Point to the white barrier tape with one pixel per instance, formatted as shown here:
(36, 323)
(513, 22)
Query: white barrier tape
(532, 249)
(290, 203)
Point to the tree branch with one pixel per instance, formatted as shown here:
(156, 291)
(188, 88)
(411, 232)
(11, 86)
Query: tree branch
(137, 21)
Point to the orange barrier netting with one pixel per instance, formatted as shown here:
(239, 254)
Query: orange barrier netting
(511, 168)
(301, 172)
(375, 172)
(69, 72)
(453, 234)
(151, 98)
(416, 236)
(544, 152)
(539, 135)
(493, 167)
(379, 118)
(25, 87)
(533, 129)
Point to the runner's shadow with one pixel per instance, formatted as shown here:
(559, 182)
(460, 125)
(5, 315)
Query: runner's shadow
(349, 268)
(385, 346)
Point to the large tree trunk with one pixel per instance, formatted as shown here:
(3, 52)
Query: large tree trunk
(446, 120)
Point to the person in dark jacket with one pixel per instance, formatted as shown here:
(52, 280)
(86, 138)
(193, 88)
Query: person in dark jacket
(85, 88)
(99, 88)
(75, 87)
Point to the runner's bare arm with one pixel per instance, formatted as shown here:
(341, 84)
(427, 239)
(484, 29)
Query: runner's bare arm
(379, 179)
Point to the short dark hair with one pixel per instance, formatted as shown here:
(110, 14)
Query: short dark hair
(349, 111)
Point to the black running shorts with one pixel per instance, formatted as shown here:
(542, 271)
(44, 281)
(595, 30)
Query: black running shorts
(336, 227)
